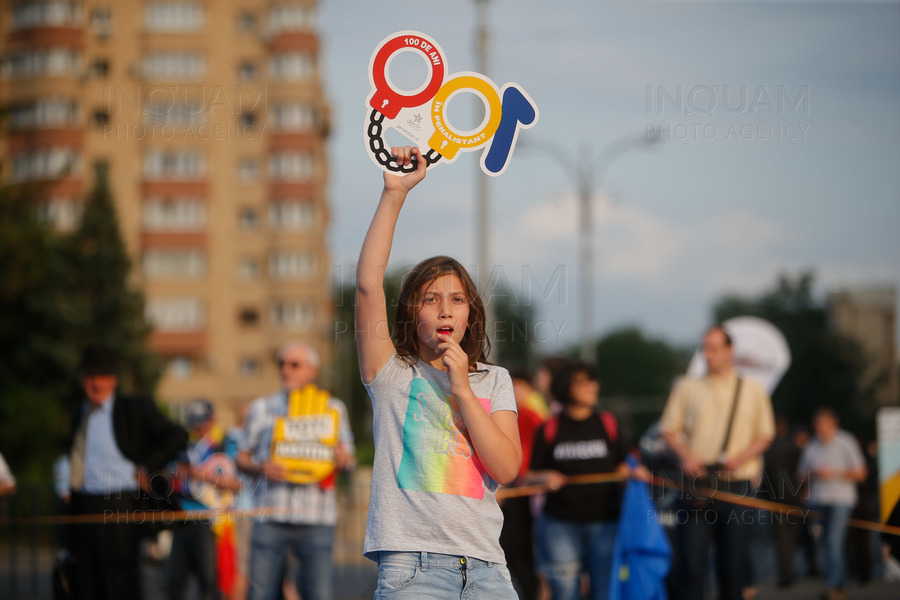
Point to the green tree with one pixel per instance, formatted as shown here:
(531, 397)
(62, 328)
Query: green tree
(631, 364)
(344, 377)
(36, 339)
(513, 333)
(106, 308)
(825, 365)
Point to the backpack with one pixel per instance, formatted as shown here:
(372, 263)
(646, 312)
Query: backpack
(607, 418)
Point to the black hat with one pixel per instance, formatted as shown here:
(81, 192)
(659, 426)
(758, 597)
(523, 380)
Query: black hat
(98, 360)
(199, 412)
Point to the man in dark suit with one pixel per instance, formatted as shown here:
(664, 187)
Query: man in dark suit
(120, 445)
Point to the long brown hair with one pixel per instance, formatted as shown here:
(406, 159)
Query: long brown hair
(475, 342)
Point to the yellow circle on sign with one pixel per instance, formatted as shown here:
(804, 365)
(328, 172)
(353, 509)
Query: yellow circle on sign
(448, 142)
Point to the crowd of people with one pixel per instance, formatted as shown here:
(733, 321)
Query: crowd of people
(450, 430)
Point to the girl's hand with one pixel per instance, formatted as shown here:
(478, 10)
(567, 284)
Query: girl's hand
(456, 361)
(404, 156)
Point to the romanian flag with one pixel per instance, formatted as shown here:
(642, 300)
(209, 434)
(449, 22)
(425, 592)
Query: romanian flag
(226, 555)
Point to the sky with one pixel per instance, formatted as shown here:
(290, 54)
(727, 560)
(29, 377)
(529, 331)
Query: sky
(779, 151)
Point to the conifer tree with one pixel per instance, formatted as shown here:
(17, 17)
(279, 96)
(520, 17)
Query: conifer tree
(36, 340)
(110, 311)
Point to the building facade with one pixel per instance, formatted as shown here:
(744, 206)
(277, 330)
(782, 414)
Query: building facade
(868, 315)
(211, 117)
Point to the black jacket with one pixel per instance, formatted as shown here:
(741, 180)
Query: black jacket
(143, 435)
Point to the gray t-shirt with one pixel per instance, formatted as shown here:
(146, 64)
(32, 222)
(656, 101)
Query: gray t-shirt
(842, 453)
(430, 492)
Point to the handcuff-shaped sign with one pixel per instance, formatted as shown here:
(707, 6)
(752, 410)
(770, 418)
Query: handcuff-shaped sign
(421, 114)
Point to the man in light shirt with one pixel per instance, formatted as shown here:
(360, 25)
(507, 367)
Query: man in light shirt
(719, 426)
(303, 515)
(833, 464)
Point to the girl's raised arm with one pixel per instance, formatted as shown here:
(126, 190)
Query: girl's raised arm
(373, 338)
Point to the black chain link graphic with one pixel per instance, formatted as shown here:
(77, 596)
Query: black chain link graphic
(383, 155)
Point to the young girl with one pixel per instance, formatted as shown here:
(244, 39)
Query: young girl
(444, 422)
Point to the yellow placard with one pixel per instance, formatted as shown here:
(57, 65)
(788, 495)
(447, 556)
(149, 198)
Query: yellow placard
(304, 440)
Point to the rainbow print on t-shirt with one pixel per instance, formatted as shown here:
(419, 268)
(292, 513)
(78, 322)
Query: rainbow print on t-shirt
(437, 453)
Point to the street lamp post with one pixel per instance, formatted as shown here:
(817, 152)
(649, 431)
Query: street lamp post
(482, 195)
(586, 172)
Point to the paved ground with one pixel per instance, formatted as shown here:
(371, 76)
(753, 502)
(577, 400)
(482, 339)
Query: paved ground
(357, 582)
(810, 589)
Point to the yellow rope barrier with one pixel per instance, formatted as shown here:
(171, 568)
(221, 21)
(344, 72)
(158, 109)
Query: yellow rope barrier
(757, 503)
(173, 516)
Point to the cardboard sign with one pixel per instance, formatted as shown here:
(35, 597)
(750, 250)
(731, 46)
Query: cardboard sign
(304, 440)
(421, 114)
(888, 421)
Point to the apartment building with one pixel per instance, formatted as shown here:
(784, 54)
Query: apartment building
(212, 120)
(868, 315)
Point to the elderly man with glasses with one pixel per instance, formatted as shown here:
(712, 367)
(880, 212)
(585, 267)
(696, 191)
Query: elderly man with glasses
(300, 508)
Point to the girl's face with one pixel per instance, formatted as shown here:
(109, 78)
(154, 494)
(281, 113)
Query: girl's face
(443, 308)
(584, 390)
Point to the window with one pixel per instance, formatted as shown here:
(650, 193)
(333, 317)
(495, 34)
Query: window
(292, 315)
(174, 214)
(165, 109)
(291, 165)
(41, 14)
(248, 170)
(180, 367)
(99, 68)
(101, 21)
(248, 268)
(174, 65)
(247, 120)
(175, 314)
(173, 17)
(174, 263)
(291, 17)
(48, 163)
(294, 116)
(291, 264)
(246, 22)
(291, 215)
(248, 219)
(248, 317)
(63, 214)
(100, 118)
(291, 66)
(173, 164)
(247, 71)
(51, 62)
(249, 367)
(45, 114)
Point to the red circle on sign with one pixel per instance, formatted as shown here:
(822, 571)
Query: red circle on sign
(395, 100)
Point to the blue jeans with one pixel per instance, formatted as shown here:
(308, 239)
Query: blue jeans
(834, 521)
(565, 549)
(311, 544)
(427, 576)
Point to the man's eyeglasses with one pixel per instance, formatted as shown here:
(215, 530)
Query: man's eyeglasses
(294, 364)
